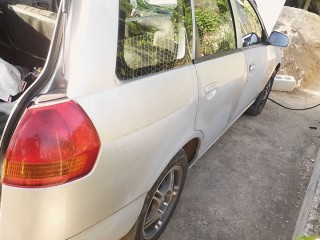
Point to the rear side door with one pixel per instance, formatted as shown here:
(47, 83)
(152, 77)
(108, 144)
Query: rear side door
(253, 36)
(221, 67)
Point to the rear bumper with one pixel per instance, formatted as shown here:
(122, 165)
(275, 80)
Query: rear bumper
(55, 214)
(115, 226)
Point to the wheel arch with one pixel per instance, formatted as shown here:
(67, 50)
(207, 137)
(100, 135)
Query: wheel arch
(191, 148)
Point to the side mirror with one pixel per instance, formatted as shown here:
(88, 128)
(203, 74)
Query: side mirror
(250, 39)
(278, 39)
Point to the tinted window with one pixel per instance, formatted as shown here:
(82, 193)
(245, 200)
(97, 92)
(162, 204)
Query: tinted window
(215, 26)
(251, 28)
(152, 36)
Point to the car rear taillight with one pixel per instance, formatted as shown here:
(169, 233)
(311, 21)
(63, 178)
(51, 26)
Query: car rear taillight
(52, 145)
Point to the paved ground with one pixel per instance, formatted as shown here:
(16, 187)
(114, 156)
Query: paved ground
(250, 184)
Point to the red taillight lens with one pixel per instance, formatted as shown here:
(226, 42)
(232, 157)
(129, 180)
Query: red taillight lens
(51, 145)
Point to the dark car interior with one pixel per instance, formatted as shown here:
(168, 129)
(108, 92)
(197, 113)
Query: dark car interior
(26, 29)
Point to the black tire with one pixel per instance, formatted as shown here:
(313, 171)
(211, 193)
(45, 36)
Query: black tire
(164, 195)
(258, 105)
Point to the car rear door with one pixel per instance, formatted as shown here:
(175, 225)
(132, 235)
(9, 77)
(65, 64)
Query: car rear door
(221, 68)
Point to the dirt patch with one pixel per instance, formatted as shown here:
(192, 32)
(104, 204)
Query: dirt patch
(302, 58)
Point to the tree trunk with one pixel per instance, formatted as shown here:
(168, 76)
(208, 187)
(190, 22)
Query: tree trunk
(307, 5)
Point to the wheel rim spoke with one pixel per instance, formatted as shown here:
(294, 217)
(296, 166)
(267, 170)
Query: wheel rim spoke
(162, 202)
(158, 196)
(170, 185)
(153, 218)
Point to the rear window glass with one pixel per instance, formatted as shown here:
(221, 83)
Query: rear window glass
(153, 37)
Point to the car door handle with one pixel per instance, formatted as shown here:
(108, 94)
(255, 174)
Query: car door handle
(212, 87)
(252, 67)
(211, 91)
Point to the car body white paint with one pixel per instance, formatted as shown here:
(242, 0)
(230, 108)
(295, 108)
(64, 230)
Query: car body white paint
(141, 123)
(270, 11)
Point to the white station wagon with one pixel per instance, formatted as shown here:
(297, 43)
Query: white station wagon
(105, 105)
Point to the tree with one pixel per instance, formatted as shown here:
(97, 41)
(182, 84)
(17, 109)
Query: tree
(311, 5)
(307, 5)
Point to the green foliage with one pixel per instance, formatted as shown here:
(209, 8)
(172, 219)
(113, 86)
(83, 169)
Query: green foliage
(125, 6)
(223, 6)
(207, 20)
(309, 238)
(215, 26)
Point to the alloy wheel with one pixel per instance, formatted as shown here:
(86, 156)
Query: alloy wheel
(162, 202)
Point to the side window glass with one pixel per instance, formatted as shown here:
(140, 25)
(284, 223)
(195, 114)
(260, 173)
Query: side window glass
(153, 36)
(215, 26)
(251, 28)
